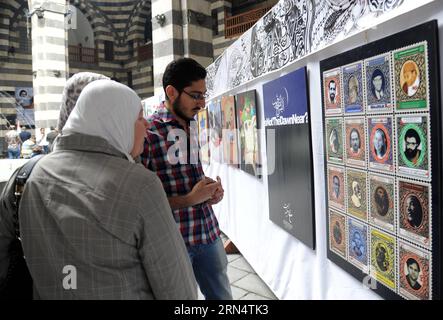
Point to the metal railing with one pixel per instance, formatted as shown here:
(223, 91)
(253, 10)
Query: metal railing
(239, 24)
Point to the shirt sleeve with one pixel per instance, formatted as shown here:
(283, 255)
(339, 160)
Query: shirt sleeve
(162, 249)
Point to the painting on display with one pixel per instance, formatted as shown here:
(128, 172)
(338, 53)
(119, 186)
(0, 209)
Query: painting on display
(215, 131)
(289, 156)
(230, 132)
(293, 29)
(386, 189)
(203, 135)
(248, 136)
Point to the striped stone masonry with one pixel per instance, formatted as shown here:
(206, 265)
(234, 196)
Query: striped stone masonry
(186, 32)
(49, 64)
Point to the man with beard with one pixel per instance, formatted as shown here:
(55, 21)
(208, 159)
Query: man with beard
(381, 201)
(332, 91)
(177, 164)
(354, 141)
(412, 142)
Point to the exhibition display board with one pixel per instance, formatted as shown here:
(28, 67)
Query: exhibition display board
(382, 120)
(291, 269)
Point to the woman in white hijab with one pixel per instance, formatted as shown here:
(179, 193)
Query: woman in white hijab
(88, 209)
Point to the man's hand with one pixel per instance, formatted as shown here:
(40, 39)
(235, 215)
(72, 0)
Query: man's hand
(204, 190)
(218, 194)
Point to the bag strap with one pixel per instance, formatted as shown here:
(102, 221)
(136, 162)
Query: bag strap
(20, 181)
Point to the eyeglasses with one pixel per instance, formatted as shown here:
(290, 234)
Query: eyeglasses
(197, 96)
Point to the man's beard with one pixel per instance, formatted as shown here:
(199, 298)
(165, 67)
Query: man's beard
(332, 97)
(178, 112)
(411, 154)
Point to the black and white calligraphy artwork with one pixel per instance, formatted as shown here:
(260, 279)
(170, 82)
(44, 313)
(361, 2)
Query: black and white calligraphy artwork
(290, 30)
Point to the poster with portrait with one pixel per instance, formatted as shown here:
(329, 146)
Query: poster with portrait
(215, 131)
(332, 92)
(402, 168)
(230, 132)
(383, 257)
(337, 233)
(336, 187)
(353, 88)
(203, 135)
(413, 149)
(382, 210)
(355, 141)
(380, 143)
(411, 77)
(414, 212)
(289, 155)
(24, 98)
(358, 244)
(379, 97)
(415, 272)
(248, 137)
(357, 193)
(334, 138)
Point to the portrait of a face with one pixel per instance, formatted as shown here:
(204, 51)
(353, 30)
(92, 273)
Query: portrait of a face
(410, 77)
(380, 143)
(333, 141)
(337, 233)
(356, 194)
(378, 84)
(381, 258)
(335, 187)
(414, 211)
(332, 91)
(353, 89)
(412, 276)
(381, 201)
(412, 143)
(354, 141)
(357, 244)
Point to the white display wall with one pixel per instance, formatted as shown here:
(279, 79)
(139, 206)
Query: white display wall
(290, 269)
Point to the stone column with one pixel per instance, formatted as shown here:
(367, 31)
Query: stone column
(167, 39)
(49, 59)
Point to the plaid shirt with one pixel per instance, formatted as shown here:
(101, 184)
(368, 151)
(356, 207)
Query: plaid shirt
(198, 224)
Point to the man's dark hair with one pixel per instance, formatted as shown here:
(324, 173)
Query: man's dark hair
(332, 81)
(181, 73)
(411, 133)
(411, 261)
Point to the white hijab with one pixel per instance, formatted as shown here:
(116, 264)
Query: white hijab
(106, 109)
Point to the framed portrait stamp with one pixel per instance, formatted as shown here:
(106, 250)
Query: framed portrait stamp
(411, 77)
(414, 212)
(383, 257)
(356, 198)
(336, 187)
(355, 141)
(415, 272)
(380, 140)
(337, 233)
(382, 201)
(413, 150)
(334, 139)
(358, 244)
(332, 92)
(353, 88)
(379, 97)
